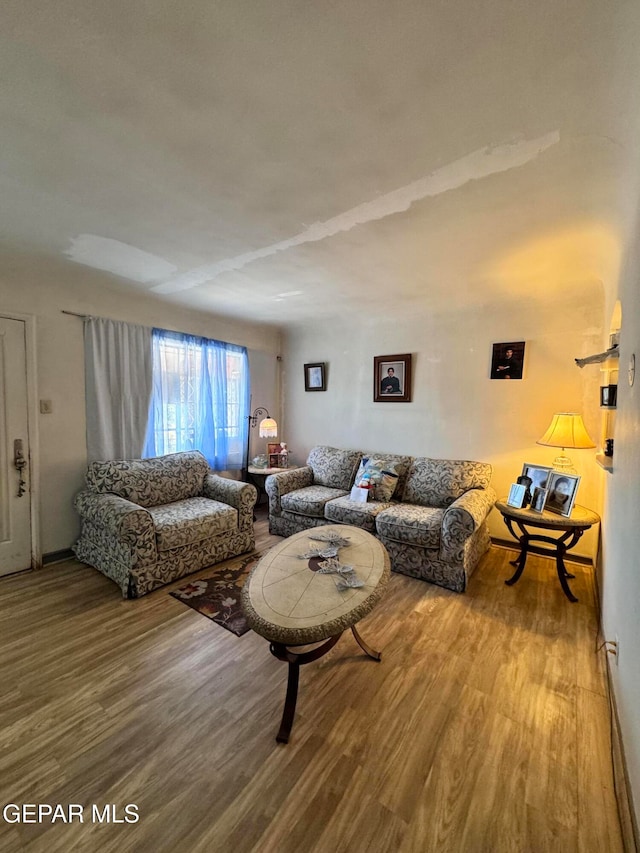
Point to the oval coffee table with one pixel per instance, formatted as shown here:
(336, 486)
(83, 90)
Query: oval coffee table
(287, 601)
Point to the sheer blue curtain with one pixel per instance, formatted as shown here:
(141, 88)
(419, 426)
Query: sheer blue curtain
(200, 399)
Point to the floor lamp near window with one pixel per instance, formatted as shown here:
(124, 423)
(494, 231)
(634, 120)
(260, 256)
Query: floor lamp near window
(268, 429)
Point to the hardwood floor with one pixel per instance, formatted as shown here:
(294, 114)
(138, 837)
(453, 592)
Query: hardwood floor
(484, 728)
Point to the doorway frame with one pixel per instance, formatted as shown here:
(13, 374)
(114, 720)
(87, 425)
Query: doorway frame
(29, 321)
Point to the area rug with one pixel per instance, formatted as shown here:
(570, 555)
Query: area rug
(219, 597)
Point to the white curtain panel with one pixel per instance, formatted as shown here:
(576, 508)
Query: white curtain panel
(118, 380)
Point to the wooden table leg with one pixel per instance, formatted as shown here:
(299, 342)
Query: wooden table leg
(289, 703)
(295, 661)
(521, 561)
(563, 574)
(364, 646)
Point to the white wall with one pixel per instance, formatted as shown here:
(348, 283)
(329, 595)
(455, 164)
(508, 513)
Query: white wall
(457, 411)
(620, 570)
(42, 291)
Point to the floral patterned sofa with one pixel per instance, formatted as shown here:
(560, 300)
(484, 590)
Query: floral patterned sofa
(434, 526)
(146, 522)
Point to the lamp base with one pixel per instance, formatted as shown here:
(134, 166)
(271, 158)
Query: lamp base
(564, 464)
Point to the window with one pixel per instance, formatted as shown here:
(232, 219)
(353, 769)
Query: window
(200, 399)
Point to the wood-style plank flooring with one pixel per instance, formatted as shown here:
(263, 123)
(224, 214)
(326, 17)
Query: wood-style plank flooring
(485, 727)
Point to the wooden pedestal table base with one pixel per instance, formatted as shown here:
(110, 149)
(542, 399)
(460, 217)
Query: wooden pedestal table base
(295, 661)
(571, 528)
(287, 601)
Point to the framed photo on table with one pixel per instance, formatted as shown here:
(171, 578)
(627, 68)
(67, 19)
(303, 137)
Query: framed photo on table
(274, 460)
(562, 490)
(392, 378)
(539, 475)
(539, 499)
(517, 494)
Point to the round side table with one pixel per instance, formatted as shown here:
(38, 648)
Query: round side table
(571, 529)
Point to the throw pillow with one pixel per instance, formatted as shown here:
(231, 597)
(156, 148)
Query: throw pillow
(381, 476)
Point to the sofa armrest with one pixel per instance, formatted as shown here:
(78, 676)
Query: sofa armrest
(123, 519)
(235, 493)
(465, 515)
(277, 485)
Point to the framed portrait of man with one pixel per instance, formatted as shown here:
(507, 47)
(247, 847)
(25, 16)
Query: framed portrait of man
(507, 360)
(392, 378)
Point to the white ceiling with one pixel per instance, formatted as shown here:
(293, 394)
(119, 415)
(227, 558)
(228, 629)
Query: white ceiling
(287, 160)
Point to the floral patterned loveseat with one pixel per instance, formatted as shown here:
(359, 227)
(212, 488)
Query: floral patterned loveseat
(434, 526)
(146, 522)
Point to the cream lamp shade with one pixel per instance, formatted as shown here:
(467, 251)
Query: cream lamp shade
(566, 430)
(268, 428)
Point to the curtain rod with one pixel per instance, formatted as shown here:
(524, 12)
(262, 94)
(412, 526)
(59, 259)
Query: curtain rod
(94, 317)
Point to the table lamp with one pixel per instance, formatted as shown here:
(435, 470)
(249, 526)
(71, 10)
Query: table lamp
(566, 430)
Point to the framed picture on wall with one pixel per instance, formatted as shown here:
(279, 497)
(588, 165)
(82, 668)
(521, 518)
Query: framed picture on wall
(314, 377)
(392, 378)
(507, 360)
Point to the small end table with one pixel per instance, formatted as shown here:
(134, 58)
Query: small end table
(571, 528)
(258, 476)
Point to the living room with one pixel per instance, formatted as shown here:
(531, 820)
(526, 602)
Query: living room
(330, 186)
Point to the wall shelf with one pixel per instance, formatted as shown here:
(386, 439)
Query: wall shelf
(605, 462)
(609, 368)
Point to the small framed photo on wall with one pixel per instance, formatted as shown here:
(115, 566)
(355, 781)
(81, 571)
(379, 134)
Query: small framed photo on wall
(314, 377)
(507, 360)
(392, 378)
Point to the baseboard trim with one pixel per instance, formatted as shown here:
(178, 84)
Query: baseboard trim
(57, 556)
(512, 545)
(628, 818)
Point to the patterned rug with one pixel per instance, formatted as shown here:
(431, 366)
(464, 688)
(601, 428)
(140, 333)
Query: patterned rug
(219, 597)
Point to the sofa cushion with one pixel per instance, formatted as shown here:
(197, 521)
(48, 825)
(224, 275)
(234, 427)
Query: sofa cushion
(309, 501)
(346, 511)
(413, 525)
(439, 482)
(149, 482)
(189, 521)
(333, 467)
